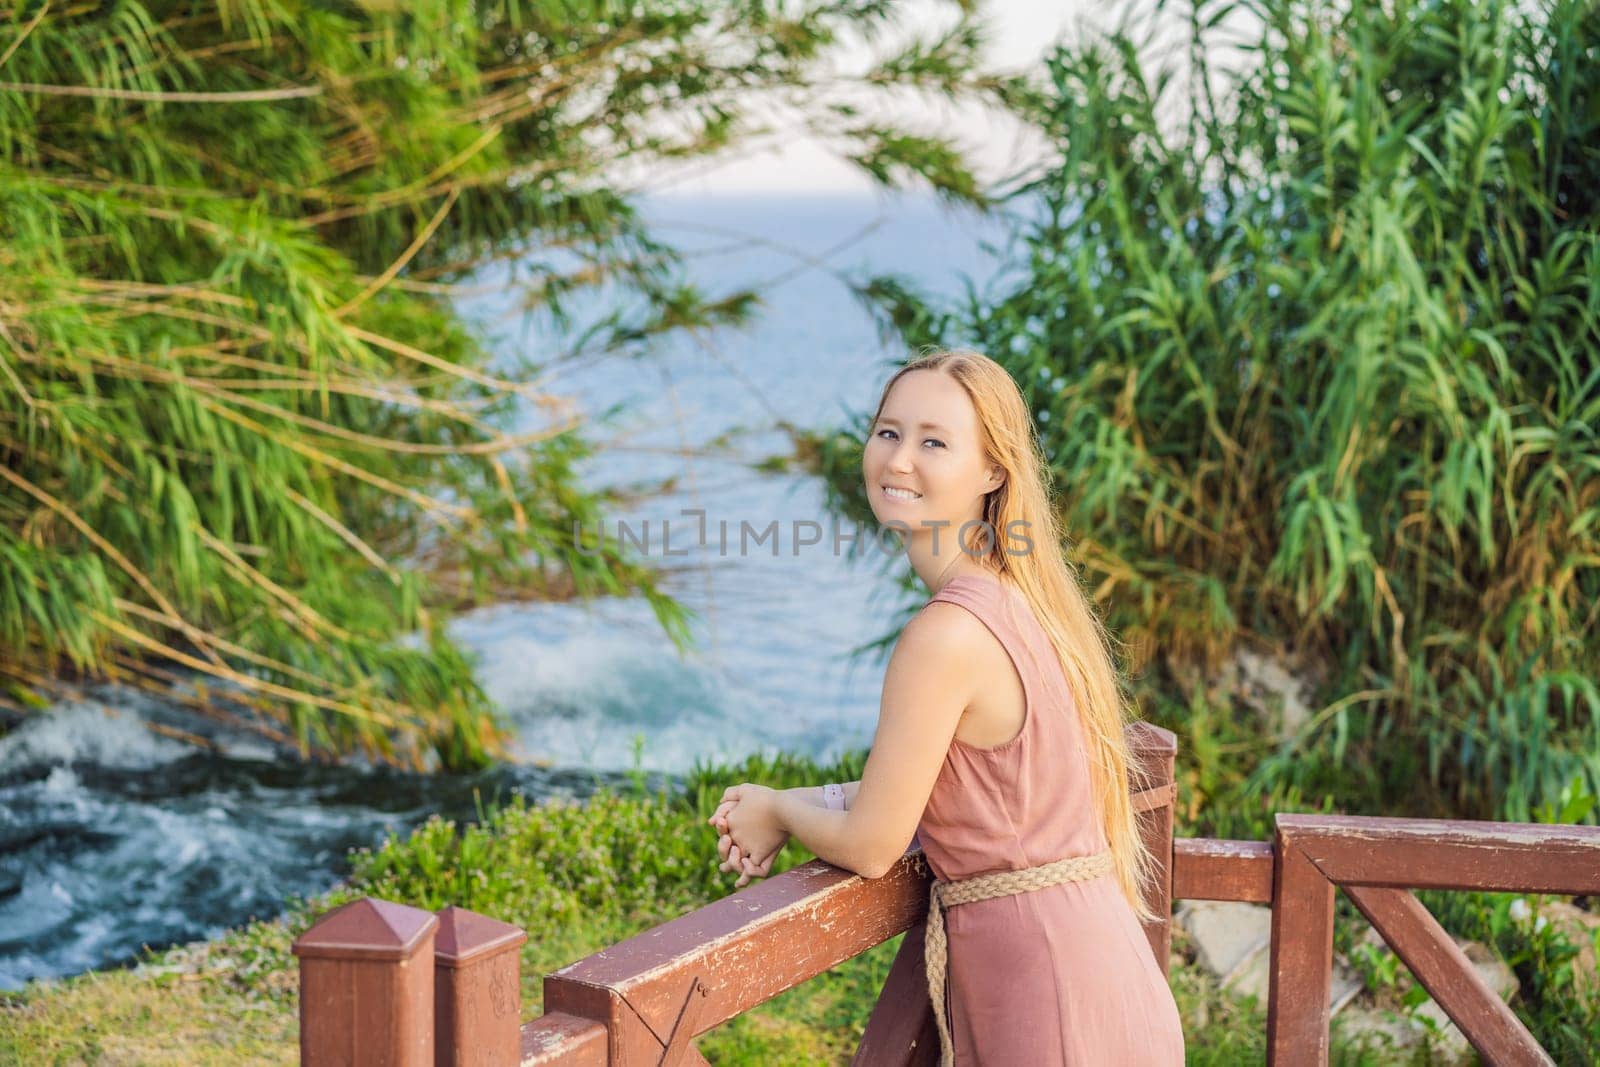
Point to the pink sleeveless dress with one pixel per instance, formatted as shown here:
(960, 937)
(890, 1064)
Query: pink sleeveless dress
(1061, 975)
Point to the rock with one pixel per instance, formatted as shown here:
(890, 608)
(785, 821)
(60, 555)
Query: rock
(1346, 986)
(192, 958)
(1448, 1041)
(1233, 941)
(1369, 936)
(1254, 979)
(1226, 934)
(1427, 1022)
(1375, 1030)
(1271, 684)
(1577, 926)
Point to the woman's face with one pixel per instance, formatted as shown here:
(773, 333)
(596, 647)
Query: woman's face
(927, 443)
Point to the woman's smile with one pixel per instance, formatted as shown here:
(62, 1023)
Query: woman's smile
(894, 493)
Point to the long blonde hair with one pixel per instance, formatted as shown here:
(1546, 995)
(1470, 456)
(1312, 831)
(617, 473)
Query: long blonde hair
(1054, 593)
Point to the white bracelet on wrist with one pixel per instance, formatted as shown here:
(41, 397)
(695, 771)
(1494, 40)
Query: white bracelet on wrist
(833, 796)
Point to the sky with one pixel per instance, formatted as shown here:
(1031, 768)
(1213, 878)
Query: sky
(1021, 32)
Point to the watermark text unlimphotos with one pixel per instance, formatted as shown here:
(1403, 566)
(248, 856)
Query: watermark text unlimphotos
(691, 529)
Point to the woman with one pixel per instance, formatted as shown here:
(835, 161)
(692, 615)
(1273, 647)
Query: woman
(999, 744)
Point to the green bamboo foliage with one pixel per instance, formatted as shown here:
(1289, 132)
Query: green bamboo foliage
(245, 441)
(1316, 359)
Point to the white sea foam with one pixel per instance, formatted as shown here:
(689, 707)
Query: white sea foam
(80, 732)
(62, 781)
(578, 686)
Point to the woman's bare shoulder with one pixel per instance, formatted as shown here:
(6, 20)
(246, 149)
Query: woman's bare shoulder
(942, 631)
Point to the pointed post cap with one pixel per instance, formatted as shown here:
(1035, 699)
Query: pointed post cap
(465, 936)
(367, 929)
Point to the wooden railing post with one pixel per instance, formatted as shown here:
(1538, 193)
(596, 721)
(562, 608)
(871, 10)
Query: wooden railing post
(1155, 753)
(477, 990)
(366, 987)
(901, 1031)
(1301, 965)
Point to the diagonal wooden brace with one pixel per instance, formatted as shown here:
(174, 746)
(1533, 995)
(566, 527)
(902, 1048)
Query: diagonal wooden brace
(1446, 972)
(683, 1029)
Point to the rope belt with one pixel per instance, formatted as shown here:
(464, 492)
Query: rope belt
(942, 895)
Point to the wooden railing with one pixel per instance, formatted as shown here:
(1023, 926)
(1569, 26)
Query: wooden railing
(368, 994)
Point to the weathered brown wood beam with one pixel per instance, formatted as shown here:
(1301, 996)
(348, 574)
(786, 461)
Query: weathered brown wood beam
(1301, 963)
(743, 949)
(1206, 869)
(1442, 854)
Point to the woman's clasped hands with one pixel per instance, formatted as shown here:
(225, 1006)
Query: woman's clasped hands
(750, 834)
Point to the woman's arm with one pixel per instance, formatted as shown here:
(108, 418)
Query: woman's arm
(808, 794)
(812, 794)
(926, 688)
